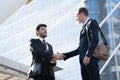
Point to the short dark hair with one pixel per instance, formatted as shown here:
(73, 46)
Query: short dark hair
(40, 25)
(83, 10)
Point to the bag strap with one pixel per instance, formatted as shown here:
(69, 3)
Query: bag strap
(103, 37)
(84, 26)
(101, 33)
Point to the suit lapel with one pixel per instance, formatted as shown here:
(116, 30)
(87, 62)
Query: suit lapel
(49, 47)
(41, 44)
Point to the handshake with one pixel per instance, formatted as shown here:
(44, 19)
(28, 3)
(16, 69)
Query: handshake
(58, 56)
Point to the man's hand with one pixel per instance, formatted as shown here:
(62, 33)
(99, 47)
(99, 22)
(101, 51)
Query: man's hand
(86, 60)
(58, 56)
(53, 60)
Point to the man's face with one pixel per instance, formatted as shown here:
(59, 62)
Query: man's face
(42, 32)
(80, 17)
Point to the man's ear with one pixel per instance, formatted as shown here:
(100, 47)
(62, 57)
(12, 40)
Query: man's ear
(37, 33)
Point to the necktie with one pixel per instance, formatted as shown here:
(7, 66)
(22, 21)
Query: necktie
(83, 27)
(45, 44)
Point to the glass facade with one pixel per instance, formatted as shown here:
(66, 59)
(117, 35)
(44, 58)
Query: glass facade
(63, 33)
(99, 9)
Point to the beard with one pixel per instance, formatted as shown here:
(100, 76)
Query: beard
(43, 36)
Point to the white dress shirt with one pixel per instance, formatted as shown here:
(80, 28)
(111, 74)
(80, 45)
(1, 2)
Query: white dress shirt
(84, 24)
(86, 21)
(41, 39)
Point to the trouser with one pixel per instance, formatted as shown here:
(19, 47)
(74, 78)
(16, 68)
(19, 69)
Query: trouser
(44, 78)
(90, 71)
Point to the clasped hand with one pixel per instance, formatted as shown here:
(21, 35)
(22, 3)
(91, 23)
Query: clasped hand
(58, 56)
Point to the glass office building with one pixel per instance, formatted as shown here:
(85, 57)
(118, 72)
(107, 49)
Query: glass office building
(99, 9)
(63, 33)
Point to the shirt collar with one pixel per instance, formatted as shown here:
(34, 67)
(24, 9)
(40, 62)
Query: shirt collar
(41, 39)
(86, 21)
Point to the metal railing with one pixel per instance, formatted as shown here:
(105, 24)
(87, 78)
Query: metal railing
(115, 51)
(108, 16)
(106, 63)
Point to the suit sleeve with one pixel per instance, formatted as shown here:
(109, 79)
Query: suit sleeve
(53, 64)
(70, 54)
(94, 30)
(38, 51)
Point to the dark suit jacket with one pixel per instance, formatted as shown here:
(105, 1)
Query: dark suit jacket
(40, 55)
(84, 48)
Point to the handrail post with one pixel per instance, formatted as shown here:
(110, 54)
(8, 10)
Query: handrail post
(106, 18)
(114, 52)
